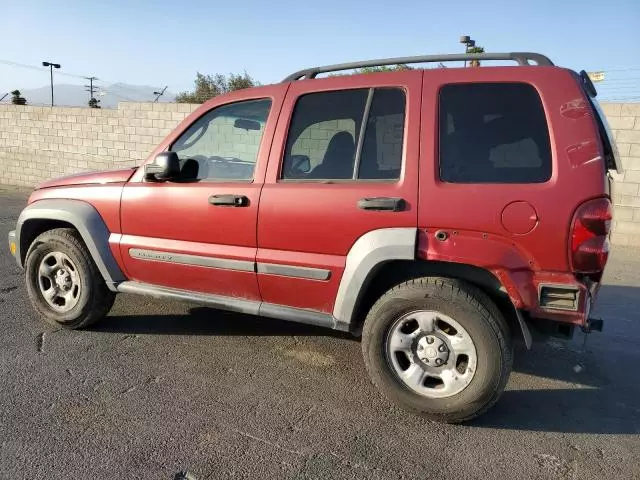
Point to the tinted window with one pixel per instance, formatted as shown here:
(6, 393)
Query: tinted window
(493, 133)
(223, 144)
(323, 138)
(382, 147)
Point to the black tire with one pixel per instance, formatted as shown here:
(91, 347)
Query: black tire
(94, 298)
(475, 312)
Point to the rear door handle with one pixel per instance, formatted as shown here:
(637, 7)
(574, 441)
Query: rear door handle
(229, 200)
(382, 203)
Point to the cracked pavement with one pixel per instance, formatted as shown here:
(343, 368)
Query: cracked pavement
(162, 387)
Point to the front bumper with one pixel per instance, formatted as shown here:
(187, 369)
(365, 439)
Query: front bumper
(13, 247)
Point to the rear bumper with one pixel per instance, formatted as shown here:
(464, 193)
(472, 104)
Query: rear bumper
(525, 288)
(578, 315)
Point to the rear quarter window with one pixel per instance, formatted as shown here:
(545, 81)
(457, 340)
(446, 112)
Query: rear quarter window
(493, 133)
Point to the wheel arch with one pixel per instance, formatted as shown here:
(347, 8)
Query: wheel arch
(32, 228)
(45, 215)
(387, 274)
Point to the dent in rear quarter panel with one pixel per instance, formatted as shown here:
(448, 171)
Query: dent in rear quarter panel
(475, 209)
(502, 258)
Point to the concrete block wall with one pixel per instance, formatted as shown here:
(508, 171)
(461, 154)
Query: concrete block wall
(624, 120)
(222, 137)
(314, 140)
(38, 143)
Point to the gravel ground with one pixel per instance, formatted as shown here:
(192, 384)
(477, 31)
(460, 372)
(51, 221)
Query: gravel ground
(162, 387)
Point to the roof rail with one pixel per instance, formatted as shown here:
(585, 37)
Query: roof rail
(522, 58)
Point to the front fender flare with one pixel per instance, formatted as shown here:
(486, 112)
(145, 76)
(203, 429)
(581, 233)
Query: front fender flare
(89, 224)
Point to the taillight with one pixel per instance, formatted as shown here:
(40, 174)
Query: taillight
(590, 236)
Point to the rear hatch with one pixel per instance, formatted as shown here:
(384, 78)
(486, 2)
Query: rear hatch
(591, 224)
(611, 154)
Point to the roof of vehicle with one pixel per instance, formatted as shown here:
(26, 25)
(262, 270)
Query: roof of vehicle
(521, 58)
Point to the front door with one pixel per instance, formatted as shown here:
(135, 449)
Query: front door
(197, 232)
(344, 163)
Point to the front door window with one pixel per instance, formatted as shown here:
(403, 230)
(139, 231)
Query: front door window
(223, 144)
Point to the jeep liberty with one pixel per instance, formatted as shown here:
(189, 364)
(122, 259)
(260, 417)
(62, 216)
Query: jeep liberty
(440, 213)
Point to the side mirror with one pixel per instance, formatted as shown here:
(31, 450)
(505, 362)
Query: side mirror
(300, 164)
(165, 166)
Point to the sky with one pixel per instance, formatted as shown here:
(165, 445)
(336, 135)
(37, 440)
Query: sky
(163, 42)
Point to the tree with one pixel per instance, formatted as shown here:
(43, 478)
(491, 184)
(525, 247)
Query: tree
(376, 69)
(93, 103)
(209, 86)
(475, 63)
(384, 68)
(16, 99)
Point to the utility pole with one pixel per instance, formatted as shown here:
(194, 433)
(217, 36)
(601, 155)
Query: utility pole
(4, 96)
(51, 67)
(91, 89)
(159, 94)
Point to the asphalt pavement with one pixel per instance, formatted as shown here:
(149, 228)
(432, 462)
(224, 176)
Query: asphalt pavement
(162, 387)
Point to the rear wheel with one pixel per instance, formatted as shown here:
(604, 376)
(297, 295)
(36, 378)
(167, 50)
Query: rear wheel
(63, 282)
(438, 347)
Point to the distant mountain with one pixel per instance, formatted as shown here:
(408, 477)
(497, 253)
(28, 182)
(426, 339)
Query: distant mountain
(77, 96)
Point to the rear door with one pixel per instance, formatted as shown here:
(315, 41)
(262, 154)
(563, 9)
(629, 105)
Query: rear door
(344, 162)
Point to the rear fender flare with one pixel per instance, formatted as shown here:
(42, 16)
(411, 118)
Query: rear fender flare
(369, 251)
(378, 247)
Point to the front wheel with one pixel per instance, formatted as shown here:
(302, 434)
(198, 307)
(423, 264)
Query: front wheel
(63, 282)
(438, 347)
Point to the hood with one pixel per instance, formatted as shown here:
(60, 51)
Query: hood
(87, 178)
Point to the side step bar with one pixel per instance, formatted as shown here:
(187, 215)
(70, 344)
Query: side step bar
(232, 304)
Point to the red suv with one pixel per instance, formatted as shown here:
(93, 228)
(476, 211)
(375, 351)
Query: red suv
(441, 212)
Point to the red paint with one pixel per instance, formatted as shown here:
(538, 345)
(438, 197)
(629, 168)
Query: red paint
(104, 198)
(155, 215)
(303, 220)
(301, 293)
(88, 178)
(508, 263)
(583, 152)
(576, 108)
(519, 233)
(478, 207)
(519, 218)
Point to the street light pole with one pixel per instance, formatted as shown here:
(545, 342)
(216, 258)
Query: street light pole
(468, 42)
(51, 67)
(159, 94)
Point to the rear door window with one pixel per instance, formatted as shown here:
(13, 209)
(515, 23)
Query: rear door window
(493, 133)
(346, 135)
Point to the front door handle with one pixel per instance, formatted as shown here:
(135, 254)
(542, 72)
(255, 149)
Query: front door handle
(382, 203)
(229, 200)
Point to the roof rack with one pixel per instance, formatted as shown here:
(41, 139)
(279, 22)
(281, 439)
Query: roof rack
(522, 58)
